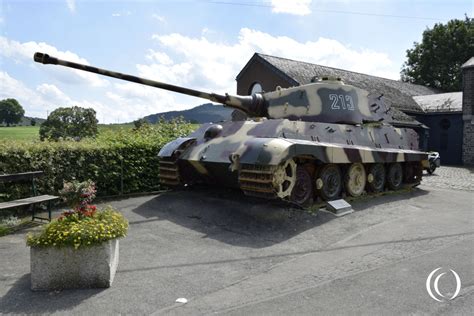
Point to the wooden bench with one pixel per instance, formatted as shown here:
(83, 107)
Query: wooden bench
(33, 200)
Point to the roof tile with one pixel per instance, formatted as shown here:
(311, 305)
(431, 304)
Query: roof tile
(396, 93)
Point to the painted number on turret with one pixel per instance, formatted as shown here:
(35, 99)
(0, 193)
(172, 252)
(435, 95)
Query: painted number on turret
(341, 101)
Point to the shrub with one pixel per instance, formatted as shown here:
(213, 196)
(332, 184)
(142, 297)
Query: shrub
(78, 194)
(78, 231)
(70, 122)
(119, 160)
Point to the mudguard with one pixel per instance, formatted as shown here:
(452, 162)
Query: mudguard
(170, 148)
(265, 151)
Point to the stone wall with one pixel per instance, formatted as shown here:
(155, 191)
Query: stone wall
(468, 114)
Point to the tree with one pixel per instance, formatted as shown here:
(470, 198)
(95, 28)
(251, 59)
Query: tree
(11, 111)
(436, 61)
(71, 122)
(33, 122)
(140, 123)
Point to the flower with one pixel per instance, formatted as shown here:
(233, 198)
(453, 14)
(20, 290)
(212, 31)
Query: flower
(84, 225)
(77, 230)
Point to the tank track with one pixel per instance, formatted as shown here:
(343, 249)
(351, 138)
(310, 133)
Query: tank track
(169, 172)
(257, 181)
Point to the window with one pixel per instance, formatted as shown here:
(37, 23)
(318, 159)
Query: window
(256, 88)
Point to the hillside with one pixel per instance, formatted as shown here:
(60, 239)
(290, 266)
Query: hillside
(26, 121)
(200, 114)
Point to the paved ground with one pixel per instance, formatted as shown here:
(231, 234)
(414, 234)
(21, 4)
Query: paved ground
(230, 255)
(456, 178)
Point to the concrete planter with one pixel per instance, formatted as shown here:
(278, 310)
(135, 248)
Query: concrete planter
(67, 268)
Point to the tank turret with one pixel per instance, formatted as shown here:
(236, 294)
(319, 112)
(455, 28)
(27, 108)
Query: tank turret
(328, 100)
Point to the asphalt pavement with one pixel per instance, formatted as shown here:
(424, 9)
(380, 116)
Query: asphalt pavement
(228, 254)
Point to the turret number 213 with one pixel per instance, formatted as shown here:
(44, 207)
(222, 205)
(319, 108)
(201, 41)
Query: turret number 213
(341, 101)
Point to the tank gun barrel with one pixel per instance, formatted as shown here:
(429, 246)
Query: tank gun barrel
(251, 105)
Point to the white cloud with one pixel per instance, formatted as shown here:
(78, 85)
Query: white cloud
(159, 57)
(12, 88)
(47, 97)
(136, 101)
(212, 66)
(71, 4)
(195, 62)
(296, 7)
(159, 18)
(52, 94)
(119, 14)
(23, 52)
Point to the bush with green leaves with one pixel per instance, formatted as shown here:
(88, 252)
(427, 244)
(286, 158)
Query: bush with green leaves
(78, 231)
(119, 160)
(69, 123)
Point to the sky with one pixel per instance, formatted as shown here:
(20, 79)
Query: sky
(201, 44)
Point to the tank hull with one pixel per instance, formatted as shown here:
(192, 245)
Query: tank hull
(223, 154)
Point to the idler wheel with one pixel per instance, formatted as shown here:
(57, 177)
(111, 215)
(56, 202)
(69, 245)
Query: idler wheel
(395, 176)
(284, 179)
(355, 179)
(302, 193)
(376, 178)
(329, 182)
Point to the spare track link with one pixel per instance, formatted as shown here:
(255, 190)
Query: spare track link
(257, 181)
(169, 172)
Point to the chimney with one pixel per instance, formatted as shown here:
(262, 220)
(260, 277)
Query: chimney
(468, 111)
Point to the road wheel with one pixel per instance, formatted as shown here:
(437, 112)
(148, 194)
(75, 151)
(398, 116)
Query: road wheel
(284, 179)
(395, 176)
(302, 193)
(355, 179)
(376, 177)
(329, 182)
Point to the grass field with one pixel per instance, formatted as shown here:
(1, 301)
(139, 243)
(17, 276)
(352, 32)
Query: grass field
(19, 133)
(30, 133)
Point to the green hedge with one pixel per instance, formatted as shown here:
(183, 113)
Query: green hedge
(119, 160)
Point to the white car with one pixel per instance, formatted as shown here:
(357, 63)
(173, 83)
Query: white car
(434, 160)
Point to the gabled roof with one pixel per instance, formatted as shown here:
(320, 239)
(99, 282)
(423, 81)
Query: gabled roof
(469, 63)
(443, 102)
(396, 93)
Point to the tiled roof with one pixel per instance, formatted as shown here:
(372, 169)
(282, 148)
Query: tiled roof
(396, 93)
(443, 102)
(469, 63)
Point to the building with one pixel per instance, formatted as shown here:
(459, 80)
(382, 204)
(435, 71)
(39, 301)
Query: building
(468, 111)
(442, 113)
(445, 114)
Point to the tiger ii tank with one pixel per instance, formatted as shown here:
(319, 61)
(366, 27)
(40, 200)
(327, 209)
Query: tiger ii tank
(320, 140)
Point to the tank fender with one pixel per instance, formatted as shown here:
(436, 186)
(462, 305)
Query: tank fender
(170, 148)
(334, 153)
(264, 151)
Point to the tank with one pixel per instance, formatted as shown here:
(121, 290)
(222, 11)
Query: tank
(324, 140)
